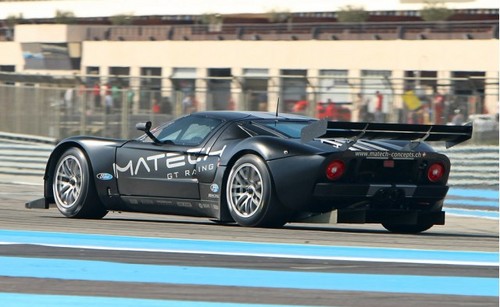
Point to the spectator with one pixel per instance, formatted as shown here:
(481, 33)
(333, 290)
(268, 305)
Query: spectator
(96, 92)
(331, 112)
(300, 106)
(68, 99)
(379, 102)
(130, 99)
(156, 108)
(320, 110)
(254, 102)
(438, 108)
(361, 105)
(108, 103)
(189, 104)
(166, 105)
(458, 118)
(230, 103)
(116, 93)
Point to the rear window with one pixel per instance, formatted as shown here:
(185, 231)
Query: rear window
(290, 129)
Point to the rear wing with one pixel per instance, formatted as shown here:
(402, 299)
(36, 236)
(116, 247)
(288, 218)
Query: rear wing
(354, 131)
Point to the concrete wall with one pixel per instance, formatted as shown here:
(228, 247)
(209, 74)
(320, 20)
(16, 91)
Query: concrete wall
(436, 55)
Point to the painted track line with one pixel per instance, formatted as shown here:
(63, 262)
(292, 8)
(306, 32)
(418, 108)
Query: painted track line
(493, 215)
(296, 251)
(231, 277)
(48, 300)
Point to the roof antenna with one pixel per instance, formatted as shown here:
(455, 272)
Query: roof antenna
(277, 106)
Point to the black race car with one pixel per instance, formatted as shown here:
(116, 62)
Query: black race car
(259, 169)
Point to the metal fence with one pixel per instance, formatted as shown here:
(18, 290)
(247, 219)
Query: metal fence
(57, 111)
(483, 29)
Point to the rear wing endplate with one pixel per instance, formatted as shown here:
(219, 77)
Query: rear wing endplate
(451, 135)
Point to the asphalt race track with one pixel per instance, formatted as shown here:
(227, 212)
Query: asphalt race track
(151, 260)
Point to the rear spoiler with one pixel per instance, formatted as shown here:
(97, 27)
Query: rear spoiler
(354, 131)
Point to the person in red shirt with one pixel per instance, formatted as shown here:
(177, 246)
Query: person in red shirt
(320, 110)
(331, 111)
(300, 106)
(438, 108)
(379, 102)
(156, 106)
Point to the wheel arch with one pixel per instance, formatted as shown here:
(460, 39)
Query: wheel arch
(52, 162)
(232, 160)
(100, 157)
(277, 154)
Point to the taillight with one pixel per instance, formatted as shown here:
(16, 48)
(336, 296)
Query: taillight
(435, 172)
(335, 170)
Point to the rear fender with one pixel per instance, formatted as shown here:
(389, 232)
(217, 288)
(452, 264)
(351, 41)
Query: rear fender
(293, 166)
(269, 148)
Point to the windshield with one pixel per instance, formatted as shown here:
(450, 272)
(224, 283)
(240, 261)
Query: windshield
(188, 131)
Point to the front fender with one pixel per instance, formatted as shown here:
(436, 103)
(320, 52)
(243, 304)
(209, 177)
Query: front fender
(100, 153)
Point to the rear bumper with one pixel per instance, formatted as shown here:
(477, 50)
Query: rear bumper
(371, 191)
(384, 203)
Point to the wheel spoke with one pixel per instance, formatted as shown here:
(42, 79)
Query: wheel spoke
(240, 202)
(245, 190)
(248, 209)
(239, 180)
(68, 181)
(64, 188)
(65, 195)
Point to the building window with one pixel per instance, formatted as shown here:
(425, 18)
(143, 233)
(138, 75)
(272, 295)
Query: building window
(119, 78)
(255, 87)
(184, 83)
(8, 68)
(334, 87)
(92, 76)
(377, 92)
(150, 87)
(219, 89)
(294, 90)
(468, 92)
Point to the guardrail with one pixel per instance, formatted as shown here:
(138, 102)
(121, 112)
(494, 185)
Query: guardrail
(473, 165)
(22, 154)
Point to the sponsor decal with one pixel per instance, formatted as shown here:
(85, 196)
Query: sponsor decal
(214, 188)
(169, 162)
(215, 191)
(104, 176)
(401, 155)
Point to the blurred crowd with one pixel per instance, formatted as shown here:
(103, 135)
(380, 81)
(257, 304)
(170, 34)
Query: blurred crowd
(437, 108)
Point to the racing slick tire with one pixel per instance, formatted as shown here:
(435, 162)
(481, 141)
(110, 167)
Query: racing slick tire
(250, 195)
(73, 188)
(407, 229)
(415, 228)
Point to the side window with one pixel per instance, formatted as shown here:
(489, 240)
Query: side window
(189, 131)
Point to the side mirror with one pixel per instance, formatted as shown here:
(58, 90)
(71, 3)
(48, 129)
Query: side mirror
(143, 126)
(146, 128)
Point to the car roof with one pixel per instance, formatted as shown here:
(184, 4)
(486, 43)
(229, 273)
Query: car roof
(238, 115)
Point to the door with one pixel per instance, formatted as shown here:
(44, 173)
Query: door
(167, 169)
